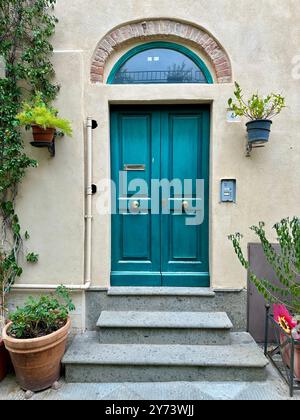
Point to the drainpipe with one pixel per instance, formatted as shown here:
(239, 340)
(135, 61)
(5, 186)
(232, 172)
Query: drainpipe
(89, 210)
(88, 224)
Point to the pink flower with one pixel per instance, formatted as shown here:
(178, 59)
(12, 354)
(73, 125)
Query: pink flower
(284, 318)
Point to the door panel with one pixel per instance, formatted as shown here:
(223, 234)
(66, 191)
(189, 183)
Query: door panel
(185, 156)
(135, 142)
(184, 241)
(160, 143)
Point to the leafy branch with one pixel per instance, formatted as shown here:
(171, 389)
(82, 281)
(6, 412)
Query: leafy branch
(257, 107)
(285, 263)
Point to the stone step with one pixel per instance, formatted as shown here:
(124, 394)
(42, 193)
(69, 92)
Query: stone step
(172, 299)
(194, 328)
(161, 291)
(148, 299)
(88, 361)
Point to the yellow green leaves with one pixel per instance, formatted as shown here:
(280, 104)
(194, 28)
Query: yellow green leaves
(39, 113)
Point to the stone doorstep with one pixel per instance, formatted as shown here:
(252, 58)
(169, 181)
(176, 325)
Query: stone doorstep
(194, 328)
(161, 291)
(166, 336)
(180, 320)
(88, 361)
(243, 352)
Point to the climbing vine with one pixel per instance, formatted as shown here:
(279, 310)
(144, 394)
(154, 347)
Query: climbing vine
(26, 27)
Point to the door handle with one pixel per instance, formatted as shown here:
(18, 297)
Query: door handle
(135, 205)
(185, 205)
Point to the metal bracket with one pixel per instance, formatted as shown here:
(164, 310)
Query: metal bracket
(94, 124)
(50, 146)
(250, 147)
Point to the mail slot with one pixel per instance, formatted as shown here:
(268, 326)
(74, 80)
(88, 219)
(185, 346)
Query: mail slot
(133, 168)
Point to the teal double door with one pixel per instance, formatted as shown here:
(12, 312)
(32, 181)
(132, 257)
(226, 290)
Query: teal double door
(156, 240)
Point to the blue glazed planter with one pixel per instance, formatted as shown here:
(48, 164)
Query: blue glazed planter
(259, 131)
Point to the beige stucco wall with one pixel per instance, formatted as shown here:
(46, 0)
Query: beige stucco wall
(261, 38)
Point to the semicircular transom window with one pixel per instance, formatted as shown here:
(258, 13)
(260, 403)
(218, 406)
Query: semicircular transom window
(161, 64)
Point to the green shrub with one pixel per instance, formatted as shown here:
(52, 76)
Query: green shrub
(41, 317)
(257, 107)
(39, 113)
(285, 262)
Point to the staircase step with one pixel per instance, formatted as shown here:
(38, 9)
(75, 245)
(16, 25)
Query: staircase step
(194, 328)
(161, 299)
(88, 361)
(161, 291)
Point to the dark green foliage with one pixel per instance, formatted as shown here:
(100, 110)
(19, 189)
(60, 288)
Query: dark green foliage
(32, 257)
(43, 316)
(25, 29)
(285, 263)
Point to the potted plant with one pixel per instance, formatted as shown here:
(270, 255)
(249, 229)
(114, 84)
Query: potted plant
(289, 328)
(9, 269)
(259, 110)
(4, 356)
(43, 120)
(286, 265)
(4, 360)
(36, 339)
(3, 352)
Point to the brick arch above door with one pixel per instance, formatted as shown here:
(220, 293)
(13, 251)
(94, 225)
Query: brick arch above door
(162, 29)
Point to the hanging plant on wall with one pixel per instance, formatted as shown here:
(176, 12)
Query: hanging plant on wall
(25, 29)
(259, 111)
(43, 119)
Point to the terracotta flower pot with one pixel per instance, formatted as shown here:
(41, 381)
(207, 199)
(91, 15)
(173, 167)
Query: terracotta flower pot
(286, 356)
(41, 134)
(4, 360)
(37, 362)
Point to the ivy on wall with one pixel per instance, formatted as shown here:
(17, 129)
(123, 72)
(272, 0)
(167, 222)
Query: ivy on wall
(26, 27)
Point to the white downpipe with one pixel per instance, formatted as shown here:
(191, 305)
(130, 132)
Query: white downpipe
(89, 209)
(88, 228)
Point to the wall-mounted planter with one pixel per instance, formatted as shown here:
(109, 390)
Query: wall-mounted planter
(44, 138)
(259, 131)
(41, 134)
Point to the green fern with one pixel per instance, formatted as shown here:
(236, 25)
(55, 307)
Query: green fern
(37, 112)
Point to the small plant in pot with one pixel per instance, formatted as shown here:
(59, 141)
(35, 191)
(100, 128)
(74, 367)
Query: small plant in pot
(11, 250)
(259, 110)
(43, 120)
(9, 270)
(285, 297)
(36, 339)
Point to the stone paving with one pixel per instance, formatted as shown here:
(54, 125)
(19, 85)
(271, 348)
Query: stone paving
(273, 389)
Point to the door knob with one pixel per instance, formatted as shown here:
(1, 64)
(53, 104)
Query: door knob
(185, 205)
(135, 205)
